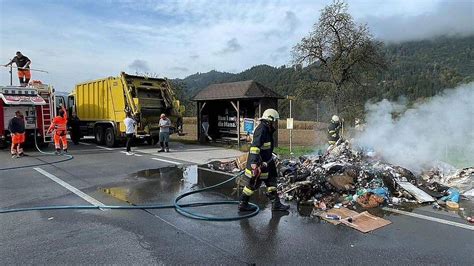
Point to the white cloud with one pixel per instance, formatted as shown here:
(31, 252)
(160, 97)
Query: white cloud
(139, 66)
(452, 18)
(231, 46)
(176, 38)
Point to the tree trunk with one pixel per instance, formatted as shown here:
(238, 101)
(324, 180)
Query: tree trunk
(337, 99)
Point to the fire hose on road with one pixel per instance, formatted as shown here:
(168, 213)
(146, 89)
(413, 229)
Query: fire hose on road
(179, 207)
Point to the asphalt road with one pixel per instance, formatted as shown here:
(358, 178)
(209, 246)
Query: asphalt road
(164, 237)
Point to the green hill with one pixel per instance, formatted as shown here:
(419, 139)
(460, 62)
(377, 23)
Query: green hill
(417, 69)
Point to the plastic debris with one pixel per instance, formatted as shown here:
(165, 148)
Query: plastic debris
(453, 195)
(350, 178)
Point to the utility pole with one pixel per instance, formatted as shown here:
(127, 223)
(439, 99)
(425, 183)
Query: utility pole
(317, 112)
(11, 75)
(289, 124)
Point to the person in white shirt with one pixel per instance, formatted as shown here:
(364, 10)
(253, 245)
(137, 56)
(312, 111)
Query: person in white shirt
(165, 124)
(130, 124)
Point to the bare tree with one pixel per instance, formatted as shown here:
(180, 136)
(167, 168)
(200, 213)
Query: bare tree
(343, 49)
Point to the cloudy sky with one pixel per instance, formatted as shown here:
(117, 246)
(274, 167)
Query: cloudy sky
(88, 39)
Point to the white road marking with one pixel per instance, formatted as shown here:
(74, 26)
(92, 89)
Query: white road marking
(217, 171)
(83, 143)
(105, 148)
(138, 155)
(163, 160)
(74, 190)
(429, 218)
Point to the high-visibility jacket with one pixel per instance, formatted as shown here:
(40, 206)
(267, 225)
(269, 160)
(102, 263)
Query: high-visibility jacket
(59, 123)
(261, 149)
(333, 132)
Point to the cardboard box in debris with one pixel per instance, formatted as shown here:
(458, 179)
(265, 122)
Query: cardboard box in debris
(345, 177)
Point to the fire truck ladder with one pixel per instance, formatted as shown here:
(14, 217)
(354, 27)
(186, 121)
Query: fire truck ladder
(47, 112)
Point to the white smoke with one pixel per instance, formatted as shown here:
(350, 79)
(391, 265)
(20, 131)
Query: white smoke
(441, 129)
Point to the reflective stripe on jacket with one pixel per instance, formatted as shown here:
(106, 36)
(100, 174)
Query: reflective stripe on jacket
(261, 148)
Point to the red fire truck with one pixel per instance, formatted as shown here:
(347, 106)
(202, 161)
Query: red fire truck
(36, 102)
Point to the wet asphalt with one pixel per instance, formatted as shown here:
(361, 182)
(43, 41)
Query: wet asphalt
(166, 237)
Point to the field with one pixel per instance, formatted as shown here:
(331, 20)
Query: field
(306, 134)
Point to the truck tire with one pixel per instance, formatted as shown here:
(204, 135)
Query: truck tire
(99, 135)
(149, 141)
(110, 137)
(3, 144)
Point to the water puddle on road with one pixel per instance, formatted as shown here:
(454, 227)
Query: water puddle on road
(155, 186)
(161, 186)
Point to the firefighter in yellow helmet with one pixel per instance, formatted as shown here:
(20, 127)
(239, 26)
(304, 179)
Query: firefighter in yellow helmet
(260, 165)
(334, 130)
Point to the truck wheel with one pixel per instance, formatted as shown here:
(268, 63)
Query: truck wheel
(3, 144)
(149, 140)
(110, 137)
(99, 135)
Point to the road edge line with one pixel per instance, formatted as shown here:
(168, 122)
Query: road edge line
(69, 187)
(429, 218)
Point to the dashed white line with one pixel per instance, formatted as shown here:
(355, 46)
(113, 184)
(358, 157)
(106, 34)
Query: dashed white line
(166, 161)
(216, 171)
(74, 190)
(135, 154)
(429, 218)
(105, 148)
(83, 143)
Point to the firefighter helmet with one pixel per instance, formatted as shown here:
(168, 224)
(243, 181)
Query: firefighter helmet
(270, 115)
(335, 118)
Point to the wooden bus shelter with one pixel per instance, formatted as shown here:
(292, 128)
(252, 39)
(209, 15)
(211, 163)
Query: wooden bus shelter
(232, 109)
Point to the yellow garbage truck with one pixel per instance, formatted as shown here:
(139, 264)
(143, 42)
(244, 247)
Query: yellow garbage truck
(101, 106)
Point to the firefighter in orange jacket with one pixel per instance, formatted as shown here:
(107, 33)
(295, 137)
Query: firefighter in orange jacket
(60, 130)
(260, 164)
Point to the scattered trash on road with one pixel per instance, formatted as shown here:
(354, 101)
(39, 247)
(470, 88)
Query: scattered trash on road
(349, 179)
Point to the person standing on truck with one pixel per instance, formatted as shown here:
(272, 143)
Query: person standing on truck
(60, 130)
(130, 124)
(74, 124)
(16, 126)
(23, 64)
(165, 125)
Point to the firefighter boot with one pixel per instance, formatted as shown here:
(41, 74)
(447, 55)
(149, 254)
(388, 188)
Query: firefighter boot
(244, 205)
(278, 206)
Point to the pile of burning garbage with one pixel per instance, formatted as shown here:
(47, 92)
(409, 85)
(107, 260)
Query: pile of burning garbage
(344, 177)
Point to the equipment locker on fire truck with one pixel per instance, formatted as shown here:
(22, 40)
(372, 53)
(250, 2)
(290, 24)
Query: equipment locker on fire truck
(36, 102)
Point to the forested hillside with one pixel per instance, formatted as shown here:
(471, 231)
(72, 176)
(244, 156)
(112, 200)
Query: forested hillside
(416, 69)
